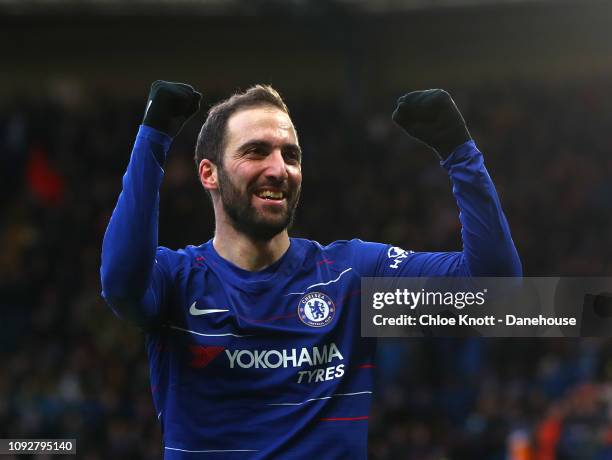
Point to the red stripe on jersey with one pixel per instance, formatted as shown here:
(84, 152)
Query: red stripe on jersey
(202, 356)
(325, 261)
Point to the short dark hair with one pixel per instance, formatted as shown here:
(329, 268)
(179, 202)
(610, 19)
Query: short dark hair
(211, 140)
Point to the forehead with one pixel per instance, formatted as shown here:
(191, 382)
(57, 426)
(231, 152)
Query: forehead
(263, 123)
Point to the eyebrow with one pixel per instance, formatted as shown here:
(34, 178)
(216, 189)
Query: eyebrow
(265, 144)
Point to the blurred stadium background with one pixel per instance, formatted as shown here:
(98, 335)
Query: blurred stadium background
(533, 81)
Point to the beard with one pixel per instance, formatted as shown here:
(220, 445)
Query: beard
(247, 219)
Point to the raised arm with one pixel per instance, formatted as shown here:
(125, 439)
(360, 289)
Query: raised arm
(432, 117)
(134, 280)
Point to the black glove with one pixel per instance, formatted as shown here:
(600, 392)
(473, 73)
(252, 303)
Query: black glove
(432, 117)
(170, 105)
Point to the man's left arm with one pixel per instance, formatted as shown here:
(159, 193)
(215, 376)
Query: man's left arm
(432, 117)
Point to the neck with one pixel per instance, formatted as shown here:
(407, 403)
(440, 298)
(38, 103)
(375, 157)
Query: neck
(246, 252)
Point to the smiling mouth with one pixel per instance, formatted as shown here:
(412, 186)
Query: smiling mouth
(270, 195)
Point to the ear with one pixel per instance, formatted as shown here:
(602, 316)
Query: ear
(208, 174)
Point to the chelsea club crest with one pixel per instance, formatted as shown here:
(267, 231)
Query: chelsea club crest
(316, 309)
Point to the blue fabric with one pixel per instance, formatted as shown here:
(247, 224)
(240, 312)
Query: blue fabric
(236, 369)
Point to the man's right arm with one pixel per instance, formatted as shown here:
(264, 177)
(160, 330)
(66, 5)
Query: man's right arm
(134, 273)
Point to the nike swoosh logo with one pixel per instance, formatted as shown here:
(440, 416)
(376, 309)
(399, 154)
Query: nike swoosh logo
(203, 311)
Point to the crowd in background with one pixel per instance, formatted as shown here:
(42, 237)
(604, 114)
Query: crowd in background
(70, 369)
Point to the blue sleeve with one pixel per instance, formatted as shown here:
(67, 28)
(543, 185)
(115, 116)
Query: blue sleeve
(488, 249)
(135, 274)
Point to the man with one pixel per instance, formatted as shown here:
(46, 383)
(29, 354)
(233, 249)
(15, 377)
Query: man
(254, 337)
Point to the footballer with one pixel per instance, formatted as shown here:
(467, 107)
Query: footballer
(253, 338)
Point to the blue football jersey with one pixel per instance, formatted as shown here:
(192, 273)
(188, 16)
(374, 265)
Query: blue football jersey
(271, 364)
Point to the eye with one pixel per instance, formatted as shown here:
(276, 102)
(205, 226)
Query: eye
(292, 156)
(257, 150)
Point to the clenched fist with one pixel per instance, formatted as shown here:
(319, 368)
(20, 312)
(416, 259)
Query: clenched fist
(432, 117)
(170, 105)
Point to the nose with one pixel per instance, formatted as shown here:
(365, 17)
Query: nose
(275, 166)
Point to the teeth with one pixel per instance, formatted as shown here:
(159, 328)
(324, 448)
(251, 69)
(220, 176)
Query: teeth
(269, 194)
